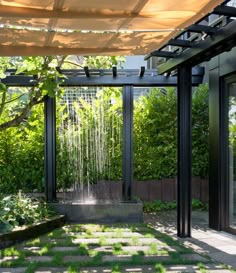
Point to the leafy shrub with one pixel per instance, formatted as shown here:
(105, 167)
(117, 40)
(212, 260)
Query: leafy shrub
(155, 143)
(18, 210)
(158, 205)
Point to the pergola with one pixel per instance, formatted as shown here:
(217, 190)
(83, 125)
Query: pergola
(184, 33)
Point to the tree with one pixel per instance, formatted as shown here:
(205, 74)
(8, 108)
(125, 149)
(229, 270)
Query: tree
(14, 110)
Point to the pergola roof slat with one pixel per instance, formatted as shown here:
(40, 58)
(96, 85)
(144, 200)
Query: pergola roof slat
(223, 40)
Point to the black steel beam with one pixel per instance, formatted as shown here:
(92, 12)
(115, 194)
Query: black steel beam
(201, 28)
(50, 148)
(163, 54)
(146, 81)
(225, 10)
(142, 71)
(181, 43)
(184, 152)
(86, 71)
(127, 169)
(114, 71)
(224, 39)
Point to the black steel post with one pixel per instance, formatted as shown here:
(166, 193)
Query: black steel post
(127, 189)
(184, 152)
(50, 148)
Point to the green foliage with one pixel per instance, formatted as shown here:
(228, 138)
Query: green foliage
(159, 268)
(155, 135)
(198, 205)
(158, 205)
(18, 210)
(21, 155)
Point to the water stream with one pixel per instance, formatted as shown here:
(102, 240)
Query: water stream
(89, 134)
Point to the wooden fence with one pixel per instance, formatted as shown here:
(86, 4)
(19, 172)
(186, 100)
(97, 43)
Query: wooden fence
(164, 189)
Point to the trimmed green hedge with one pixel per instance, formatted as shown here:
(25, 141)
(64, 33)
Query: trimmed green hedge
(155, 143)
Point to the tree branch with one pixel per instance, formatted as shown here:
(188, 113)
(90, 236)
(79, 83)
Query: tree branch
(4, 94)
(24, 113)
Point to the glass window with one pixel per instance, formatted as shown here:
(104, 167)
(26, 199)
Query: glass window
(232, 155)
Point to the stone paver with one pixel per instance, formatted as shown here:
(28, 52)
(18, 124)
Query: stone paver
(117, 258)
(8, 258)
(64, 248)
(85, 241)
(13, 270)
(34, 249)
(135, 249)
(194, 257)
(103, 248)
(51, 270)
(39, 258)
(77, 258)
(158, 258)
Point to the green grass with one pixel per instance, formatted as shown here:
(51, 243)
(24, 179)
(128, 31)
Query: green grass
(47, 243)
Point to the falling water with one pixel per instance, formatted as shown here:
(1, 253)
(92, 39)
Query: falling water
(89, 139)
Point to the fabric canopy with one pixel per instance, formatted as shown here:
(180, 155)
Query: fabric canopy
(94, 27)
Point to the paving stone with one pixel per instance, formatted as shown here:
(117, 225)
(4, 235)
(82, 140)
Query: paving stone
(156, 258)
(119, 240)
(194, 257)
(51, 270)
(224, 257)
(64, 248)
(117, 258)
(147, 241)
(215, 243)
(229, 249)
(8, 258)
(134, 249)
(85, 241)
(13, 270)
(77, 258)
(39, 258)
(121, 233)
(34, 249)
(103, 248)
(196, 247)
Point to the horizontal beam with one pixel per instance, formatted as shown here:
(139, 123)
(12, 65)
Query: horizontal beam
(225, 10)
(201, 28)
(181, 43)
(163, 54)
(145, 81)
(223, 40)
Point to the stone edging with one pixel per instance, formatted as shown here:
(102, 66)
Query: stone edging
(17, 236)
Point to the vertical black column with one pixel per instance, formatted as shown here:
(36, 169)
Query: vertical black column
(184, 151)
(50, 148)
(127, 189)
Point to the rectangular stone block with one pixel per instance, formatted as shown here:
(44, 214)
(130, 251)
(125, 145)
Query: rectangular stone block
(107, 212)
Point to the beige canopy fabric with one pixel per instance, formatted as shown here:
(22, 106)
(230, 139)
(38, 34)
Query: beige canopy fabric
(94, 27)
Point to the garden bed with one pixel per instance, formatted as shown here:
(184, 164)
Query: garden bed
(27, 232)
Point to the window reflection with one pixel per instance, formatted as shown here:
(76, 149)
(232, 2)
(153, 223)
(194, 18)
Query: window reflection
(232, 155)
